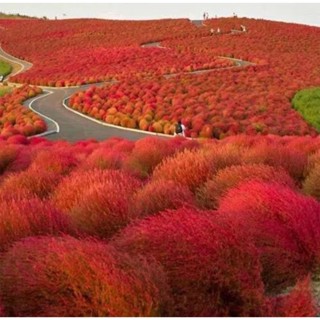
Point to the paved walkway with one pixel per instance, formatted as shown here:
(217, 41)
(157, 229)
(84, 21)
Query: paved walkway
(66, 125)
(71, 126)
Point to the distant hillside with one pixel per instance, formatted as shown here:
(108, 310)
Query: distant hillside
(15, 16)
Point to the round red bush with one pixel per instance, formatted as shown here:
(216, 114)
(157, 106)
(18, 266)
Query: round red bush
(189, 168)
(157, 196)
(212, 270)
(282, 223)
(97, 201)
(210, 194)
(311, 185)
(66, 277)
(299, 302)
(22, 218)
(34, 182)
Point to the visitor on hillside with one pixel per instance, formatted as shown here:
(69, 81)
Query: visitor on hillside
(180, 129)
(211, 32)
(1, 78)
(204, 16)
(218, 31)
(243, 28)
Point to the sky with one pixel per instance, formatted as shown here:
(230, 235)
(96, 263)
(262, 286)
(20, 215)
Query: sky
(304, 13)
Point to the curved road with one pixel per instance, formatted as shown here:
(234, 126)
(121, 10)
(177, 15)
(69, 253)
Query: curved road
(73, 127)
(67, 125)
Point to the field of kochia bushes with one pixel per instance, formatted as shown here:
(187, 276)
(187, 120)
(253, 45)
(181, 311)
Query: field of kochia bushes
(155, 87)
(160, 227)
(16, 119)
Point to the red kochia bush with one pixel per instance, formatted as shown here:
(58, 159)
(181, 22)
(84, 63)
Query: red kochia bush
(298, 303)
(211, 268)
(97, 201)
(7, 155)
(34, 182)
(282, 223)
(103, 158)
(210, 194)
(292, 160)
(147, 153)
(60, 277)
(19, 219)
(157, 196)
(189, 168)
(54, 160)
(311, 185)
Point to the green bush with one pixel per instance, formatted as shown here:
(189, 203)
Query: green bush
(307, 103)
(5, 68)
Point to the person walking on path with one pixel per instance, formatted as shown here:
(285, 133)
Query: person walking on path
(180, 129)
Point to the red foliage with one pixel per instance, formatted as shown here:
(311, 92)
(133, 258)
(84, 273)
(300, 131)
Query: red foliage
(311, 184)
(147, 154)
(282, 223)
(298, 303)
(29, 217)
(16, 119)
(18, 139)
(189, 168)
(294, 161)
(7, 155)
(65, 277)
(157, 196)
(97, 201)
(103, 158)
(210, 194)
(211, 268)
(54, 160)
(32, 182)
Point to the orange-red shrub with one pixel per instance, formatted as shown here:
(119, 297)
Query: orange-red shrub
(282, 223)
(157, 196)
(32, 217)
(292, 160)
(147, 154)
(54, 160)
(298, 303)
(311, 185)
(97, 201)
(189, 168)
(210, 194)
(34, 182)
(103, 158)
(60, 277)
(211, 268)
(7, 156)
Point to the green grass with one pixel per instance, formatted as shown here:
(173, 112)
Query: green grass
(4, 90)
(307, 103)
(5, 68)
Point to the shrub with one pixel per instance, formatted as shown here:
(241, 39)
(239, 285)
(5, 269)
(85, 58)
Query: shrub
(157, 196)
(97, 201)
(147, 154)
(7, 156)
(212, 270)
(67, 277)
(297, 303)
(210, 194)
(19, 219)
(54, 160)
(34, 182)
(103, 158)
(311, 184)
(293, 161)
(189, 168)
(283, 224)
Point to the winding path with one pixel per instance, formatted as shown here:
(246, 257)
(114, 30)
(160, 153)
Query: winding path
(66, 124)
